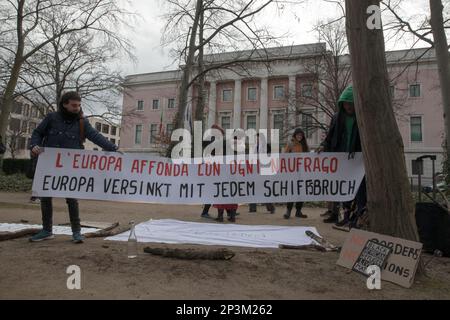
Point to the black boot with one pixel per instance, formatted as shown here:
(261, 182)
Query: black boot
(232, 217)
(287, 215)
(219, 215)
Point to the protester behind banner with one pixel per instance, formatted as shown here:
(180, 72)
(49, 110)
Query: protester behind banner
(343, 136)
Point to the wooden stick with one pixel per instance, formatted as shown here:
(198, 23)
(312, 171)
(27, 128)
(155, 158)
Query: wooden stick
(107, 232)
(191, 254)
(303, 247)
(18, 234)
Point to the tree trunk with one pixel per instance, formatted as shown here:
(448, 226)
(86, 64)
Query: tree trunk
(200, 107)
(390, 203)
(183, 95)
(7, 101)
(443, 60)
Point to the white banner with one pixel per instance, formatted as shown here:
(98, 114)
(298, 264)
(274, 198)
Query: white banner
(213, 234)
(141, 177)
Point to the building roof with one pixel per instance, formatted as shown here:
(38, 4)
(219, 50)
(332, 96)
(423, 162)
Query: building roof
(286, 52)
(297, 51)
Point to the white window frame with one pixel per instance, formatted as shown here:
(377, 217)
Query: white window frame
(226, 114)
(312, 90)
(303, 115)
(249, 114)
(150, 132)
(227, 89)
(421, 127)
(135, 134)
(168, 103)
(143, 105)
(274, 91)
(153, 104)
(256, 94)
(392, 90)
(420, 91)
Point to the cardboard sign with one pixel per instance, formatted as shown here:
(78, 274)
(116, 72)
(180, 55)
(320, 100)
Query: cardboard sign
(141, 177)
(401, 265)
(373, 254)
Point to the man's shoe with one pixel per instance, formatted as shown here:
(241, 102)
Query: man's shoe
(342, 223)
(77, 237)
(206, 216)
(287, 215)
(42, 235)
(35, 200)
(219, 219)
(300, 214)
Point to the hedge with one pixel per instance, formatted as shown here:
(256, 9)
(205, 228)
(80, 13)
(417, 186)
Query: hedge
(13, 166)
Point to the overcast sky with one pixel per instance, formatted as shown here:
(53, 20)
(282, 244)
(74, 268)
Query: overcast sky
(297, 22)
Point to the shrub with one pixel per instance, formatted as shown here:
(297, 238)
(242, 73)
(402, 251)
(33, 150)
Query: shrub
(13, 166)
(15, 183)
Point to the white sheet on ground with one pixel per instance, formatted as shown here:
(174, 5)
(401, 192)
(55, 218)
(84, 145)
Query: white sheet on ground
(13, 227)
(182, 232)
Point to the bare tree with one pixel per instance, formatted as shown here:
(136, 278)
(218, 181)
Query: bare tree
(430, 29)
(211, 27)
(443, 59)
(23, 22)
(391, 213)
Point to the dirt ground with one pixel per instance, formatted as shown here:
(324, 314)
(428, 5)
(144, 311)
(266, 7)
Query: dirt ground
(38, 270)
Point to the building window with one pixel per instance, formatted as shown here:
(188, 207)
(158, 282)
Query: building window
(155, 104)
(278, 123)
(105, 128)
(98, 126)
(21, 143)
(416, 129)
(225, 122)
(140, 105)
(251, 122)
(171, 104)
(153, 132)
(307, 90)
(24, 128)
(113, 130)
(169, 129)
(113, 140)
(138, 134)
(14, 125)
(392, 91)
(227, 95)
(251, 94)
(26, 110)
(414, 90)
(278, 93)
(17, 109)
(307, 124)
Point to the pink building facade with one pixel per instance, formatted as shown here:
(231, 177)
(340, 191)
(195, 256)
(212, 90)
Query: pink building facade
(262, 98)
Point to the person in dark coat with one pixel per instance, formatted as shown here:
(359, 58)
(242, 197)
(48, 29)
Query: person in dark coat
(343, 136)
(64, 129)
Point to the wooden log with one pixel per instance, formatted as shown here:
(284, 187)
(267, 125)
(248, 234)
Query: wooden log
(108, 232)
(18, 234)
(303, 247)
(191, 254)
